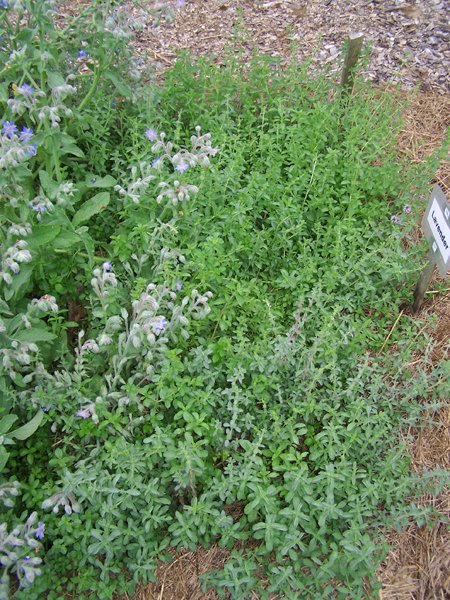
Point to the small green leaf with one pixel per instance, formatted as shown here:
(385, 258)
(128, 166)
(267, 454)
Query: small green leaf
(91, 207)
(55, 79)
(49, 186)
(101, 182)
(3, 458)
(4, 91)
(24, 432)
(4, 308)
(72, 149)
(35, 334)
(121, 87)
(20, 281)
(25, 35)
(45, 180)
(66, 239)
(6, 423)
(42, 235)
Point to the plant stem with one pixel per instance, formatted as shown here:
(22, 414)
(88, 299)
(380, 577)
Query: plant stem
(92, 89)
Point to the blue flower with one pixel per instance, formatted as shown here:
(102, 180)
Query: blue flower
(178, 285)
(3, 4)
(107, 266)
(25, 89)
(82, 54)
(396, 220)
(31, 150)
(159, 325)
(39, 533)
(25, 135)
(151, 135)
(84, 413)
(156, 163)
(182, 167)
(9, 128)
(38, 207)
(407, 209)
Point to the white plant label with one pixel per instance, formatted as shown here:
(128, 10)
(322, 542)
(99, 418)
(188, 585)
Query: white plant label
(440, 229)
(436, 226)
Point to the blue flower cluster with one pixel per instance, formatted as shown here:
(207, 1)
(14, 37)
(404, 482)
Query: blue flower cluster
(26, 90)
(10, 131)
(39, 533)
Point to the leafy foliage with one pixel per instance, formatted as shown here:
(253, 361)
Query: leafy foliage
(196, 320)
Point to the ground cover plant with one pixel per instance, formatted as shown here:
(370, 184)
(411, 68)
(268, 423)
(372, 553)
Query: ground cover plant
(197, 280)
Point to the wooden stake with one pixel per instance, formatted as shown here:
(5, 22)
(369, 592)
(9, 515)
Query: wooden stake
(423, 283)
(355, 42)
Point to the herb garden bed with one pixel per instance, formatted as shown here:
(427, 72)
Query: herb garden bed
(197, 282)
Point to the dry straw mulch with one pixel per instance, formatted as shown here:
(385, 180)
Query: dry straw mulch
(178, 580)
(427, 121)
(418, 565)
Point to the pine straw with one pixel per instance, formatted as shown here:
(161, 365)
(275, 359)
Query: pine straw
(178, 580)
(418, 565)
(427, 120)
(439, 307)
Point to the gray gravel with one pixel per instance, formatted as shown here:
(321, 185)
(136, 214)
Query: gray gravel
(410, 40)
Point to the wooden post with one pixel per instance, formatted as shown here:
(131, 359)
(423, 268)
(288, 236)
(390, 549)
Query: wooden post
(423, 283)
(355, 42)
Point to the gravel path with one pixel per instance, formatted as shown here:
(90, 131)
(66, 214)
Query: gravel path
(410, 40)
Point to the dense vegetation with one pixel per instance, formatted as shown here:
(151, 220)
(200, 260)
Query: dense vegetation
(191, 329)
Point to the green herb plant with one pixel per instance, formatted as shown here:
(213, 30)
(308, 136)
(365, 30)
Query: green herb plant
(191, 321)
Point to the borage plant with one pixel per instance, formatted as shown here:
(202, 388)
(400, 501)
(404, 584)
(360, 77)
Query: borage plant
(56, 80)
